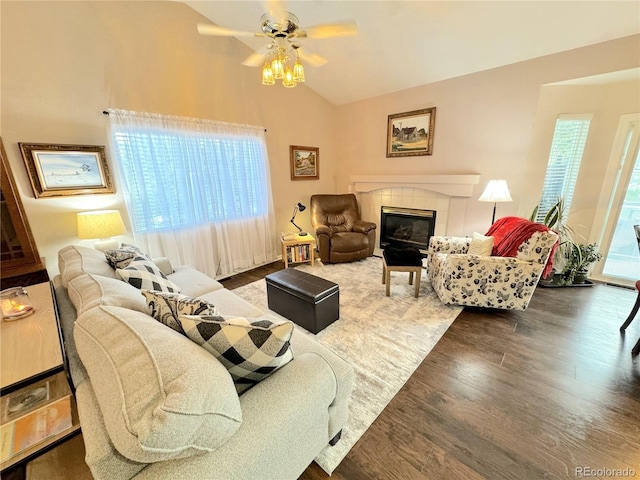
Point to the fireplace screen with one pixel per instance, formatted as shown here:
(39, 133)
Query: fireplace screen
(406, 226)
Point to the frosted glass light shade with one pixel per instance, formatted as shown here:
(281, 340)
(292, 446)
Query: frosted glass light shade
(288, 80)
(102, 224)
(277, 66)
(267, 75)
(298, 72)
(495, 192)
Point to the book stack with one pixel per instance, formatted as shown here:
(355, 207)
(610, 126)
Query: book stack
(298, 253)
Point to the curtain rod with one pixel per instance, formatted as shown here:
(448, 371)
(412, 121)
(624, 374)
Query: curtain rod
(105, 112)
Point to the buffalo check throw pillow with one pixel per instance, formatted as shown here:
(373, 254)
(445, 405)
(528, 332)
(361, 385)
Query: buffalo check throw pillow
(167, 307)
(251, 350)
(142, 273)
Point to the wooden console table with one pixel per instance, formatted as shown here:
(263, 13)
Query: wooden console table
(37, 409)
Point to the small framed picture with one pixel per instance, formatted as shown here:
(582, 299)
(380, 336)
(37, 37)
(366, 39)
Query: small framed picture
(305, 162)
(411, 133)
(61, 170)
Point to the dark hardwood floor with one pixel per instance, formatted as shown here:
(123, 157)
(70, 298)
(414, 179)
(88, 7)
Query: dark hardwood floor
(515, 395)
(251, 276)
(503, 395)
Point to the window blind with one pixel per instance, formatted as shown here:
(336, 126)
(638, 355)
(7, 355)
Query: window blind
(177, 178)
(567, 148)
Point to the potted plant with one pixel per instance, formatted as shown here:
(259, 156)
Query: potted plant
(579, 258)
(555, 219)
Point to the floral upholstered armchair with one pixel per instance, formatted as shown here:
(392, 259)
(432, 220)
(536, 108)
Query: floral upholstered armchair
(522, 251)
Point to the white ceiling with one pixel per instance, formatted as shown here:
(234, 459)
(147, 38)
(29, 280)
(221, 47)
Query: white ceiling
(403, 44)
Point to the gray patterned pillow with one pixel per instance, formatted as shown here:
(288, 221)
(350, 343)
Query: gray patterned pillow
(123, 256)
(251, 350)
(167, 307)
(142, 273)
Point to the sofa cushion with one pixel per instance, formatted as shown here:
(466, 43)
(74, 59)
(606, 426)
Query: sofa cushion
(228, 303)
(162, 397)
(250, 349)
(142, 273)
(164, 265)
(480, 245)
(123, 256)
(192, 282)
(167, 307)
(88, 291)
(76, 260)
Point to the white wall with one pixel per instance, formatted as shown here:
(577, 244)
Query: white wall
(485, 124)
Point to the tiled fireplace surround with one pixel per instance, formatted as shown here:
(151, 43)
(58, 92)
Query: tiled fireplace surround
(446, 194)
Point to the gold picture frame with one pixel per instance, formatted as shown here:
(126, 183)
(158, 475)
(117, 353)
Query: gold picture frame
(305, 162)
(62, 170)
(411, 133)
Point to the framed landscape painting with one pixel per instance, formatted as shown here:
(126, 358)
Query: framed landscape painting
(305, 162)
(60, 170)
(411, 133)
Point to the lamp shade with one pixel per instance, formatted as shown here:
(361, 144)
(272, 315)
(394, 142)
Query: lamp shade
(100, 224)
(495, 192)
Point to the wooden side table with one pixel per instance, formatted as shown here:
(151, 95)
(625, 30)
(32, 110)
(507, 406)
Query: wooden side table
(37, 409)
(299, 249)
(411, 266)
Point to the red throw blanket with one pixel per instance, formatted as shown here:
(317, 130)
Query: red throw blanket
(508, 234)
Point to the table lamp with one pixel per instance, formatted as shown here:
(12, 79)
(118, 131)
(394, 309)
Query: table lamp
(101, 224)
(496, 191)
(298, 208)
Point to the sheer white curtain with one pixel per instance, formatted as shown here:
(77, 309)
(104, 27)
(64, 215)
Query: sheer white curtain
(197, 191)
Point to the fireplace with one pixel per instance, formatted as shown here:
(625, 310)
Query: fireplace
(406, 226)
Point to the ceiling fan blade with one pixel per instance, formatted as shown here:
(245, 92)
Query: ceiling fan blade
(347, 29)
(210, 29)
(311, 59)
(257, 58)
(276, 9)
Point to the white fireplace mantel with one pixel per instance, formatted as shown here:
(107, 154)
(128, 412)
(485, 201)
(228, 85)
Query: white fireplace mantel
(452, 185)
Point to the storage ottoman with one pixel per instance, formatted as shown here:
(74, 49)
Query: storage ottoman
(311, 302)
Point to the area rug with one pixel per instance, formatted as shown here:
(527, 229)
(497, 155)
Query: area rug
(384, 338)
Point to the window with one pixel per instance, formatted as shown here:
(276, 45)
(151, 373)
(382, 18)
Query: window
(568, 143)
(184, 178)
(196, 191)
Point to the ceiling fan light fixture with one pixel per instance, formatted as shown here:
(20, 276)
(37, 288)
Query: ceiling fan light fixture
(282, 27)
(267, 75)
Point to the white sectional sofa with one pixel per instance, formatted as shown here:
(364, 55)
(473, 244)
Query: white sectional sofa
(169, 405)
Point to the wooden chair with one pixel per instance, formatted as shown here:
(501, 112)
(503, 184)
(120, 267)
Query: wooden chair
(636, 349)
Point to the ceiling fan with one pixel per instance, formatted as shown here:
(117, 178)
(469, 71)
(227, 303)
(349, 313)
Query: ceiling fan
(284, 32)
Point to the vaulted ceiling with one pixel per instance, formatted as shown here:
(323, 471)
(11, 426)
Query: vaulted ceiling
(403, 44)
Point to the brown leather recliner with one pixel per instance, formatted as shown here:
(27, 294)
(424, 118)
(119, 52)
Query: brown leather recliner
(341, 235)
